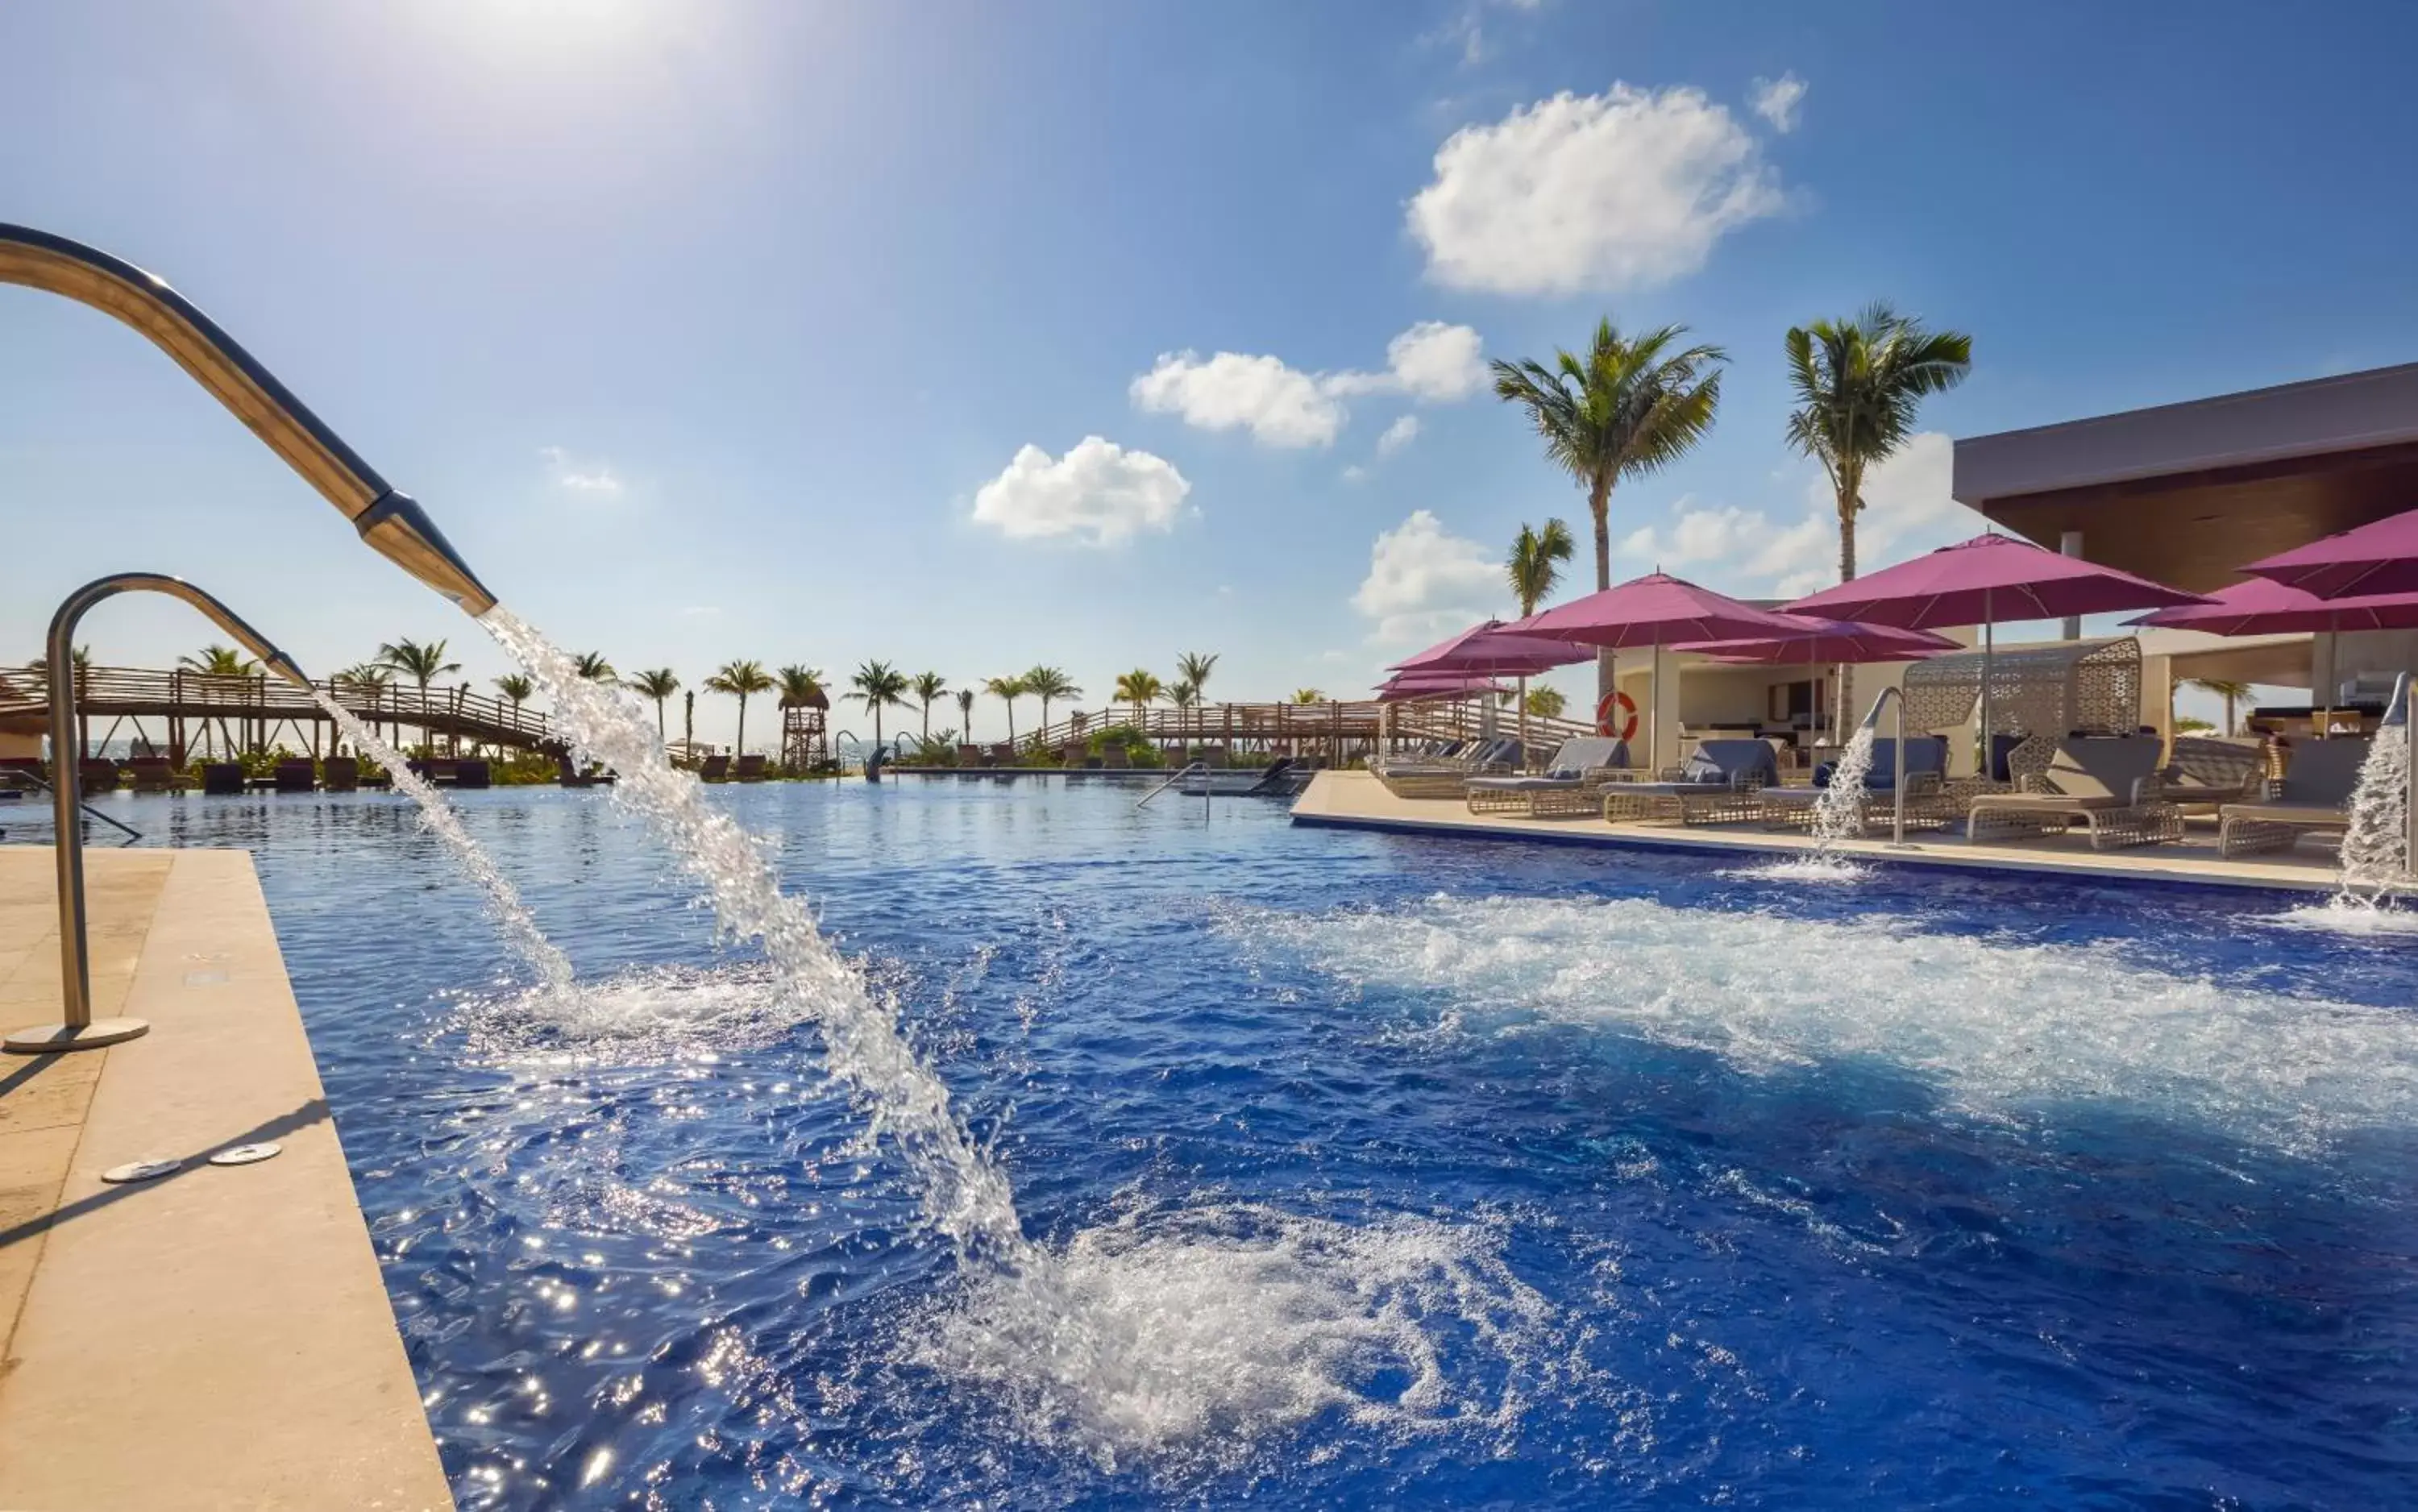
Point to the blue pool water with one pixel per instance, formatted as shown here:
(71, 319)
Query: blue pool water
(1392, 1171)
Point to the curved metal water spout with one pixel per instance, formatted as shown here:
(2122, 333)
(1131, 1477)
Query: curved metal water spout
(1872, 723)
(389, 520)
(78, 1030)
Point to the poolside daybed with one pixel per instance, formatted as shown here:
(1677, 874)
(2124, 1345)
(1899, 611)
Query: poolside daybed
(2109, 786)
(2312, 796)
(1571, 786)
(1719, 784)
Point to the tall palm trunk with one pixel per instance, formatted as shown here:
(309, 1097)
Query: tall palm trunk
(660, 732)
(1599, 506)
(1851, 500)
(740, 749)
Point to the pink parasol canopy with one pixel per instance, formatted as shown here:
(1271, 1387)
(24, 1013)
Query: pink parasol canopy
(1988, 580)
(1654, 610)
(1455, 685)
(2380, 557)
(1487, 647)
(1828, 640)
(2262, 606)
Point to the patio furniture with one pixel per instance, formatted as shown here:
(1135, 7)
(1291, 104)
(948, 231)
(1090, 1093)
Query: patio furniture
(2204, 773)
(297, 777)
(97, 776)
(1446, 776)
(222, 779)
(472, 771)
(716, 768)
(1570, 787)
(341, 775)
(1719, 784)
(2311, 798)
(1926, 791)
(151, 775)
(2108, 786)
(751, 767)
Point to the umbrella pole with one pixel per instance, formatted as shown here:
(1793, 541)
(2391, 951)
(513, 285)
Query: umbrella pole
(1989, 736)
(1654, 711)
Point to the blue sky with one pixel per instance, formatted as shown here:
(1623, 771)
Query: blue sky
(723, 331)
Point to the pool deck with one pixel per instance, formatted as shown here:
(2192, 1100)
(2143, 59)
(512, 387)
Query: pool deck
(219, 1336)
(1356, 799)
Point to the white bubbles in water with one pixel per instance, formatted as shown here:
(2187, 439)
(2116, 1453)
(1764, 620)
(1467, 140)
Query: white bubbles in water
(1815, 867)
(1192, 1337)
(2341, 915)
(2001, 1029)
(650, 1009)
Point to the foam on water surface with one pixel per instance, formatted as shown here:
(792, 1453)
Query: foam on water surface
(2003, 1029)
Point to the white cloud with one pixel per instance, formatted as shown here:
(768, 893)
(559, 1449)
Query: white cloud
(1278, 404)
(1609, 191)
(1424, 583)
(1398, 435)
(700, 611)
(1432, 362)
(1356, 474)
(1099, 492)
(1907, 509)
(1466, 29)
(598, 478)
(1776, 100)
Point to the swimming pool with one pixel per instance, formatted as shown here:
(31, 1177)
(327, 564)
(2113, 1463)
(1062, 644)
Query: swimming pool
(1385, 1171)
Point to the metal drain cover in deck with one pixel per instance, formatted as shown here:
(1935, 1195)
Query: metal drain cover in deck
(246, 1154)
(139, 1170)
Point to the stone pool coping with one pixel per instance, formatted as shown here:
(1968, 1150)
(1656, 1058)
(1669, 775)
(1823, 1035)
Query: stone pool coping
(1356, 799)
(219, 1336)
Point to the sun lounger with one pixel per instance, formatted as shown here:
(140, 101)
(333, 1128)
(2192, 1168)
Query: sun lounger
(2203, 774)
(342, 774)
(1926, 769)
(1446, 776)
(716, 768)
(222, 779)
(1569, 788)
(297, 777)
(2108, 786)
(97, 776)
(474, 772)
(1719, 784)
(751, 767)
(152, 775)
(2312, 796)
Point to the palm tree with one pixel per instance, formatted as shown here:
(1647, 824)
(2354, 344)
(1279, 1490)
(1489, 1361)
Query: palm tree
(2232, 693)
(1048, 682)
(1183, 693)
(879, 686)
(659, 683)
(220, 662)
(1194, 667)
(1308, 696)
(966, 713)
(423, 663)
(592, 666)
(1535, 567)
(516, 690)
(802, 687)
(1859, 383)
(1138, 688)
(926, 687)
(1545, 703)
(1623, 410)
(740, 679)
(1006, 690)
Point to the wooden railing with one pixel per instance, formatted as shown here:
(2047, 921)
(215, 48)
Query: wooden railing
(182, 694)
(1345, 725)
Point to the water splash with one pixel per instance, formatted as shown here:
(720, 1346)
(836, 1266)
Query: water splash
(1204, 1329)
(1838, 814)
(965, 1195)
(2374, 847)
(437, 816)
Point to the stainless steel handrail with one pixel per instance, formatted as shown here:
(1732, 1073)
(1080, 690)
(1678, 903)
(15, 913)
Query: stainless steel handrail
(1173, 778)
(77, 1029)
(128, 830)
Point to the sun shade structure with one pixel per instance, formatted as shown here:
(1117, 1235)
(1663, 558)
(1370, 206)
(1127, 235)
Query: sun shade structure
(1828, 640)
(1489, 648)
(2262, 606)
(1986, 581)
(1656, 610)
(2043, 693)
(1400, 690)
(2378, 559)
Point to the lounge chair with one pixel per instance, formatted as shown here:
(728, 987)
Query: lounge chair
(97, 776)
(716, 768)
(222, 779)
(970, 755)
(1926, 769)
(2109, 786)
(2203, 774)
(474, 773)
(1446, 776)
(341, 775)
(152, 775)
(1718, 784)
(2312, 796)
(751, 767)
(1569, 789)
(297, 776)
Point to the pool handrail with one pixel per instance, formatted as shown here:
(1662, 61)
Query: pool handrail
(389, 520)
(76, 1029)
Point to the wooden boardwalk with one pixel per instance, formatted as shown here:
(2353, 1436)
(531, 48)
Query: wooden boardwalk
(197, 709)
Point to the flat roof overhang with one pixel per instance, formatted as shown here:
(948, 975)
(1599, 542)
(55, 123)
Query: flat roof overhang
(2186, 494)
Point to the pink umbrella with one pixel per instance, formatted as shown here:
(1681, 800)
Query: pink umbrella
(1397, 690)
(2377, 559)
(1489, 648)
(1828, 640)
(1983, 581)
(2262, 606)
(1656, 610)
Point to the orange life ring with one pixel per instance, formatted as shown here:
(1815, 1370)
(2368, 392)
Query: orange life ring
(1603, 715)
